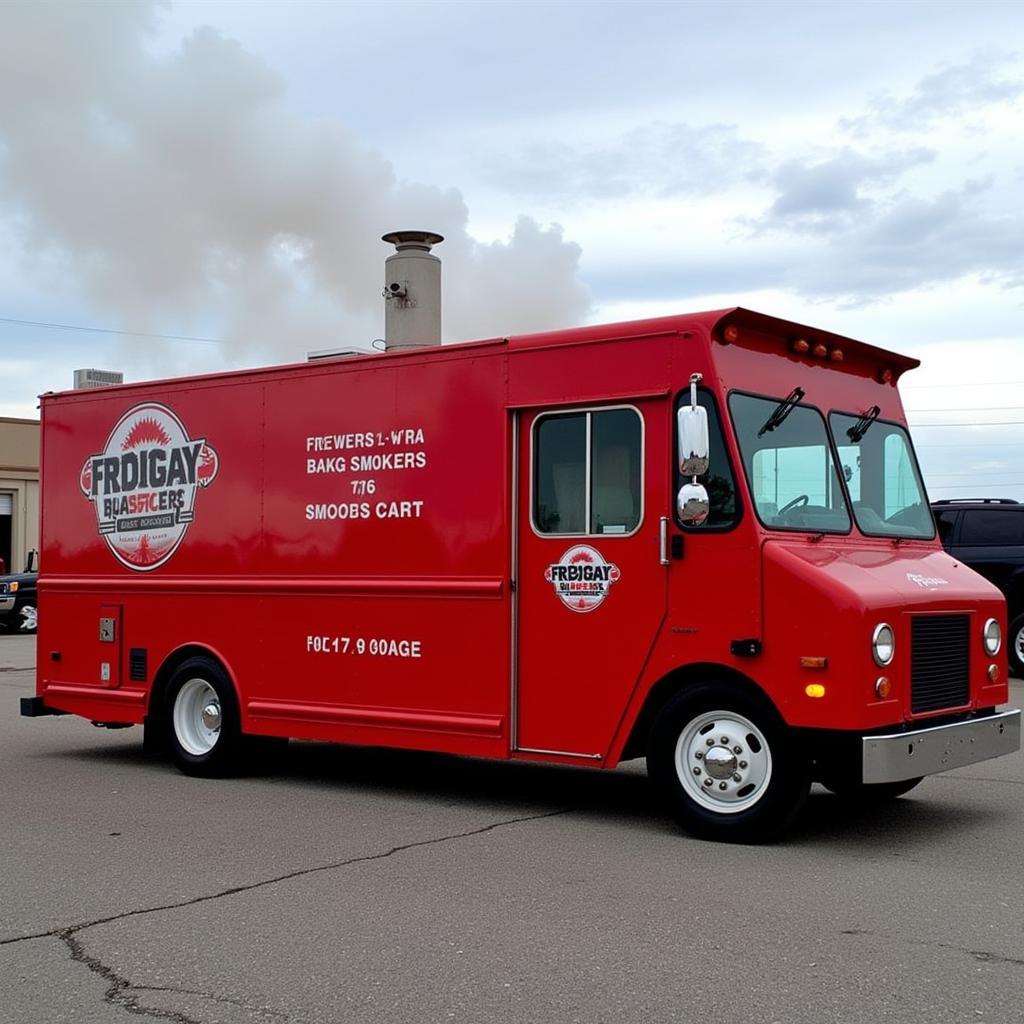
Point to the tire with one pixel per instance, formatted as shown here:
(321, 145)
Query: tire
(201, 719)
(869, 793)
(1015, 647)
(27, 619)
(747, 739)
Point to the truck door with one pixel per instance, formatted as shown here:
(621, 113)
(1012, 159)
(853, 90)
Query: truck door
(591, 589)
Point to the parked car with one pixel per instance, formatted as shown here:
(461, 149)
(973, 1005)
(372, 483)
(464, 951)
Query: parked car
(18, 599)
(987, 534)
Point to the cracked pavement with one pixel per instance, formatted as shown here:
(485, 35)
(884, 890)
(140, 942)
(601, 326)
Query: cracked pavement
(358, 885)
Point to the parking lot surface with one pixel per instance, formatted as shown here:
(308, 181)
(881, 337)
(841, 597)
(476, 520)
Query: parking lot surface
(345, 884)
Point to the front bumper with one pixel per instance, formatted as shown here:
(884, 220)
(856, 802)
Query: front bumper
(908, 755)
(7, 603)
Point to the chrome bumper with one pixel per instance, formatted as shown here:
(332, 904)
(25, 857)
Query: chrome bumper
(7, 602)
(906, 755)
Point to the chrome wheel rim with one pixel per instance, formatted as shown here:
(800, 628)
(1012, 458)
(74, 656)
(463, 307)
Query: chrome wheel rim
(1018, 644)
(723, 762)
(29, 618)
(197, 717)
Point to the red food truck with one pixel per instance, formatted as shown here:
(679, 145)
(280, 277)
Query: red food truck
(701, 539)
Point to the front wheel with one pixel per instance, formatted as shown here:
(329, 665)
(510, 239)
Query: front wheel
(726, 766)
(202, 720)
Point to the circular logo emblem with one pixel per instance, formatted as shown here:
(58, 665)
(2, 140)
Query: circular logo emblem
(582, 578)
(143, 485)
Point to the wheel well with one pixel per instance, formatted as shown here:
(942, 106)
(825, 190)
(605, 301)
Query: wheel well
(668, 686)
(164, 674)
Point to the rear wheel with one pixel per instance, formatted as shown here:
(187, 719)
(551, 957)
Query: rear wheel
(202, 720)
(1015, 651)
(726, 765)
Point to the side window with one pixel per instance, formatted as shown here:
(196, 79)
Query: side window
(587, 472)
(991, 527)
(719, 480)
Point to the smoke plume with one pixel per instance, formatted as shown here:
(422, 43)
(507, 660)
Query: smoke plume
(181, 194)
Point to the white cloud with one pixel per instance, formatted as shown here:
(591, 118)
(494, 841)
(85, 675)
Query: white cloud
(180, 193)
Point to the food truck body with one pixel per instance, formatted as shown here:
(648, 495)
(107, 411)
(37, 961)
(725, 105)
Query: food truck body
(489, 549)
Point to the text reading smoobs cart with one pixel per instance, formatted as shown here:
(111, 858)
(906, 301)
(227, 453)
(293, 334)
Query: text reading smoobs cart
(492, 549)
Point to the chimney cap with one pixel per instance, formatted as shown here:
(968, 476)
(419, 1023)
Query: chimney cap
(422, 240)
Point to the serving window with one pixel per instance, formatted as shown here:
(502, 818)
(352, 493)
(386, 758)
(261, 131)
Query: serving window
(587, 477)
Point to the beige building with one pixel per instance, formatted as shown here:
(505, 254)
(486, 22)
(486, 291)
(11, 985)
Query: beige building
(19, 491)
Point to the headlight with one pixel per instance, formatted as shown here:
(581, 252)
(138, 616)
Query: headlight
(992, 637)
(883, 644)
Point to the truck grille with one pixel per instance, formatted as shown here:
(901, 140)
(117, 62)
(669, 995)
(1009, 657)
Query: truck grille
(939, 662)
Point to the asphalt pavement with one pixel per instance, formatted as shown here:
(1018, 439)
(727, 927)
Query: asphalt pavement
(345, 884)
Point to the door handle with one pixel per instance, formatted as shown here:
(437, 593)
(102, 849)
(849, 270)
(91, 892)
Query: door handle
(663, 540)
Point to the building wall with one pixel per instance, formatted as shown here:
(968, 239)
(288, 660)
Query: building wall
(19, 481)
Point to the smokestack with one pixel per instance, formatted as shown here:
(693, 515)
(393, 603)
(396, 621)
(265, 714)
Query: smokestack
(412, 291)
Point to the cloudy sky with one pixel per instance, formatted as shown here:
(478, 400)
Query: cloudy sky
(219, 174)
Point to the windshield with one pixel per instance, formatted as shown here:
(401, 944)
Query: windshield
(790, 467)
(882, 478)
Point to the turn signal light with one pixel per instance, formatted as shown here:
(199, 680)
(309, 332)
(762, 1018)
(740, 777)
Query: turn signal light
(883, 687)
(815, 690)
(731, 334)
(993, 673)
(814, 662)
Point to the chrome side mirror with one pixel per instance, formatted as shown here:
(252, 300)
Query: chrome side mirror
(692, 504)
(693, 441)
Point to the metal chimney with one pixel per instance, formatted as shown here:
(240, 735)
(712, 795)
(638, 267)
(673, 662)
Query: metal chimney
(412, 291)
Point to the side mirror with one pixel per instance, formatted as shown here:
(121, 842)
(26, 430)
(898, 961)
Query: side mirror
(692, 504)
(694, 443)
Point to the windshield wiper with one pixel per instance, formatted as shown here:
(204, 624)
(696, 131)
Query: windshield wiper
(782, 410)
(860, 428)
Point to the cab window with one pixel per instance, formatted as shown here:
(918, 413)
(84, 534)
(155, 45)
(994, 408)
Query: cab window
(789, 464)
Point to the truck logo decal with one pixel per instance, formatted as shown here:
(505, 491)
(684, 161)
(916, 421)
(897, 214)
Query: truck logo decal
(582, 578)
(928, 582)
(143, 485)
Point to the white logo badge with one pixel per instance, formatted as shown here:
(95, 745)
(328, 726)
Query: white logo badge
(928, 582)
(143, 485)
(582, 578)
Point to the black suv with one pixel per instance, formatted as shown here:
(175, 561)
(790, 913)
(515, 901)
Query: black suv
(18, 599)
(987, 534)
